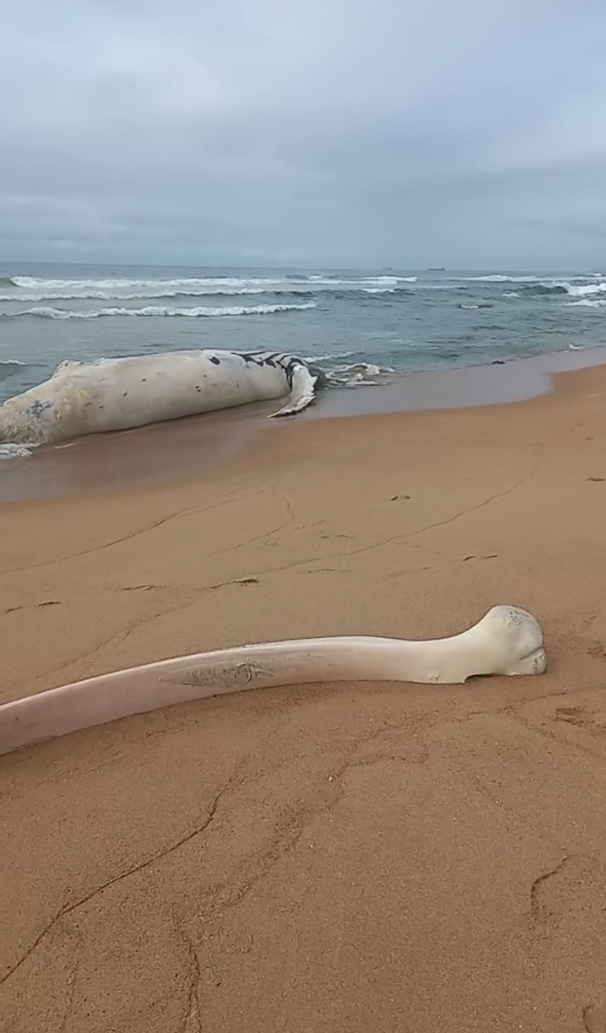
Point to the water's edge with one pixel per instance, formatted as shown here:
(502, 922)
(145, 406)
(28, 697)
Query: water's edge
(513, 380)
(192, 447)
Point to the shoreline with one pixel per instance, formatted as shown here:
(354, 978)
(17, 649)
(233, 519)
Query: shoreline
(191, 447)
(460, 387)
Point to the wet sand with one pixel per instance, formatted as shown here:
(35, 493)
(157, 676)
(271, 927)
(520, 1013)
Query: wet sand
(351, 857)
(192, 447)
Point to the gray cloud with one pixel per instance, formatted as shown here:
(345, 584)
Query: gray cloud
(329, 132)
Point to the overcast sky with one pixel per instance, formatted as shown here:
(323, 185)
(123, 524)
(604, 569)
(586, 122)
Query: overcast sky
(465, 133)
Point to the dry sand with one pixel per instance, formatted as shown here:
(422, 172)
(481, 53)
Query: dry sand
(348, 859)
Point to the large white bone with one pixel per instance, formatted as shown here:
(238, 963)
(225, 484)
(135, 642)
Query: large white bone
(507, 641)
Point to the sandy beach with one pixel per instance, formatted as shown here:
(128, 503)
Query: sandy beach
(328, 859)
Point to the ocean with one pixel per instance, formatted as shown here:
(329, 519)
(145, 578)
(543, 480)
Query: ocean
(393, 319)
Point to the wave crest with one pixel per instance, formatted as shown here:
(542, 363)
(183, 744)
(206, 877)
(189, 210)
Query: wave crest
(164, 311)
(584, 290)
(124, 288)
(525, 278)
(328, 356)
(10, 367)
(94, 295)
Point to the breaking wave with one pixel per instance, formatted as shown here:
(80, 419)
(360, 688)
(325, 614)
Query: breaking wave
(9, 367)
(286, 290)
(95, 295)
(544, 288)
(328, 356)
(529, 278)
(583, 290)
(198, 312)
(500, 278)
(126, 289)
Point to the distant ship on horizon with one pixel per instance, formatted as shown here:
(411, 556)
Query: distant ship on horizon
(436, 269)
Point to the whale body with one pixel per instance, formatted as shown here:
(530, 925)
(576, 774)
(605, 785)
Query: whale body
(118, 394)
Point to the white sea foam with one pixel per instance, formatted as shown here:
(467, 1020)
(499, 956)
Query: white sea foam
(121, 288)
(506, 278)
(120, 283)
(109, 295)
(358, 374)
(328, 356)
(575, 286)
(443, 286)
(586, 303)
(362, 281)
(501, 278)
(197, 312)
(12, 451)
(582, 290)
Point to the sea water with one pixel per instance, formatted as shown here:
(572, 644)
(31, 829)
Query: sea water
(396, 319)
